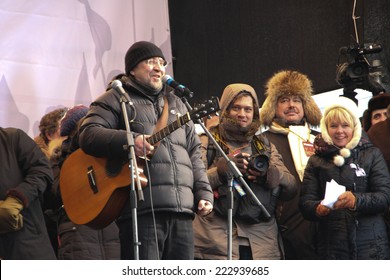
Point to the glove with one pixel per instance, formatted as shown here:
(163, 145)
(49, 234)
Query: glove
(322, 210)
(273, 177)
(10, 217)
(240, 161)
(345, 200)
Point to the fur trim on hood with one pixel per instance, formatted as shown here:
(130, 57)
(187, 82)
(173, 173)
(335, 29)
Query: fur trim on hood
(351, 108)
(289, 82)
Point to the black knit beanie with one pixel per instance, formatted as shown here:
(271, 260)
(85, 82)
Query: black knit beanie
(140, 51)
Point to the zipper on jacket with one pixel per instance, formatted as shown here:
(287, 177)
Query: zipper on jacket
(175, 182)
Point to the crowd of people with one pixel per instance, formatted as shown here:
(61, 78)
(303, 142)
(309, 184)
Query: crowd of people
(284, 181)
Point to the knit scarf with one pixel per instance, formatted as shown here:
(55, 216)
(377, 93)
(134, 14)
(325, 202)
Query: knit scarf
(232, 132)
(148, 91)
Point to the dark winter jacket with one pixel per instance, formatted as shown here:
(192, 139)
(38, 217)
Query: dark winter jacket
(298, 234)
(78, 242)
(345, 233)
(379, 135)
(177, 173)
(25, 173)
(250, 226)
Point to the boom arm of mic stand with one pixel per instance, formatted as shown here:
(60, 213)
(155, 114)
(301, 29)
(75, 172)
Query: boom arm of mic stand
(232, 166)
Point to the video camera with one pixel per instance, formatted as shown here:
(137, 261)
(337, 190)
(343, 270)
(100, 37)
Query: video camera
(355, 73)
(358, 68)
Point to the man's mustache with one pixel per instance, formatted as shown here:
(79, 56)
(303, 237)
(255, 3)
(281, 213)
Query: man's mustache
(293, 110)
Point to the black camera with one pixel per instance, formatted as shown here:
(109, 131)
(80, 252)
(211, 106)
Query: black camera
(259, 162)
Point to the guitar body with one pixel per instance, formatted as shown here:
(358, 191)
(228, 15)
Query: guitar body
(89, 194)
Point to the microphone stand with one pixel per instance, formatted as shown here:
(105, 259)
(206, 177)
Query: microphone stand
(133, 168)
(230, 216)
(235, 172)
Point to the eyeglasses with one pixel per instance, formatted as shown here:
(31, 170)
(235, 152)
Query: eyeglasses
(156, 61)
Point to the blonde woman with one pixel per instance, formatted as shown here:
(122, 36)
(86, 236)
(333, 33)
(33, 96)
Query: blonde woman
(352, 227)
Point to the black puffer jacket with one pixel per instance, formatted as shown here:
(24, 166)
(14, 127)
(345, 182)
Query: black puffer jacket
(177, 173)
(347, 234)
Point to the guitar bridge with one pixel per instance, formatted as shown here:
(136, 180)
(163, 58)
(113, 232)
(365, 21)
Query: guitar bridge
(91, 179)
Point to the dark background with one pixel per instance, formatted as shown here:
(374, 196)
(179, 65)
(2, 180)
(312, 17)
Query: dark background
(218, 42)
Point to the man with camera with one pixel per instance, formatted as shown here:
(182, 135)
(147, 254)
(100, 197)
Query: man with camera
(289, 112)
(254, 235)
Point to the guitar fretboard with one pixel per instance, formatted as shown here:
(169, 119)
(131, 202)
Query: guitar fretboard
(158, 136)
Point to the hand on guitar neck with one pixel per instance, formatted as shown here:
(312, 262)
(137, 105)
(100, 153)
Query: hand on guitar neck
(142, 146)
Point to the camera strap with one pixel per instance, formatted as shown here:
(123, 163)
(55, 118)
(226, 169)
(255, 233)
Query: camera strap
(261, 144)
(211, 151)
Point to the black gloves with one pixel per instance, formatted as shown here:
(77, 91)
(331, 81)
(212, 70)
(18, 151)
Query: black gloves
(10, 217)
(240, 160)
(271, 178)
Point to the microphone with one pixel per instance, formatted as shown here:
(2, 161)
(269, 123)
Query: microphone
(168, 80)
(117, 85)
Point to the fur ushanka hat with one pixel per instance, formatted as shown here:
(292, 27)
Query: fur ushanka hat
(380, 101)
(289, 82)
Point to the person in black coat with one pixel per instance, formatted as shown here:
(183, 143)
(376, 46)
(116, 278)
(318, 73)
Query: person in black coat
(351, 224)
(178, 184)
(77, 242)
(25, 173)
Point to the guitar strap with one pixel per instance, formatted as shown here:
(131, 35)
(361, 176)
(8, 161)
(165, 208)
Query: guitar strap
(162, 121)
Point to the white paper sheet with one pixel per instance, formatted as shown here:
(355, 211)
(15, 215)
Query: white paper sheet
(332, 192)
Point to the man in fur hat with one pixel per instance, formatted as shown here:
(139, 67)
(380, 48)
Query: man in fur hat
(380, 134)
(289, 111)
(376, 111)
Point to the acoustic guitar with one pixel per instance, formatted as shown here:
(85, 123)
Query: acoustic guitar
(93, 194)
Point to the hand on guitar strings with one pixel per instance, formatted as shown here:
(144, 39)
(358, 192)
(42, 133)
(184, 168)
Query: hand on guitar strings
(142, 147)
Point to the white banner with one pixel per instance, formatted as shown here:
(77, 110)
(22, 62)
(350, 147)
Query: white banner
(64, 52)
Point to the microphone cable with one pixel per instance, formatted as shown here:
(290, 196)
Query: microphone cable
(151, 199)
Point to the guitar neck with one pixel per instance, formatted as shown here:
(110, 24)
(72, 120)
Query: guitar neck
(158, 136)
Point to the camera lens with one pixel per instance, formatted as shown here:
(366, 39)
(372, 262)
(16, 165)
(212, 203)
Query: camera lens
(260, 163)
